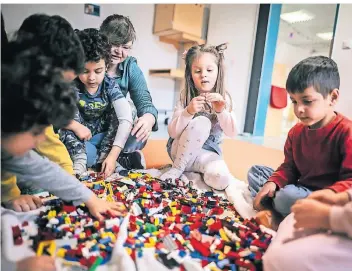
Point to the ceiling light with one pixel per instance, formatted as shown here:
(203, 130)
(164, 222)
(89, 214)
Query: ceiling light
(297, 16)
(325, 36)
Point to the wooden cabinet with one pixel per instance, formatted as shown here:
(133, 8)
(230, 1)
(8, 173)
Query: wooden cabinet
(179, 22)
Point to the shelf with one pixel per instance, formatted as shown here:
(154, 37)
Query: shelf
(176, 39)
(168, 73)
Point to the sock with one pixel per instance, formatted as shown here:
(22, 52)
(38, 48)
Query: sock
(79, 163)
(172, 174)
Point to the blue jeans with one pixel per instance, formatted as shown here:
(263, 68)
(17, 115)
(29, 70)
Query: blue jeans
(93, 145)
(284, 198)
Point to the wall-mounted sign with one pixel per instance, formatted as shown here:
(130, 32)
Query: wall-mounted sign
(92, 9)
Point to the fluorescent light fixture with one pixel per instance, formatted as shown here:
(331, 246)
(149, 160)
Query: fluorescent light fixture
(297, 16)
(325, 35)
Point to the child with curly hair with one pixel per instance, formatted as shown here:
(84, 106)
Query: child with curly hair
(103, 120)
(124, 70)
(41, 98)
(57, 40)
(201, 117)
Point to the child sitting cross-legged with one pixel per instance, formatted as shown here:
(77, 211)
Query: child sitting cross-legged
(318, 150)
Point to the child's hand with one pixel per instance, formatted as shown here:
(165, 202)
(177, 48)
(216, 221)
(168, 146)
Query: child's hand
(268, 190)
(196, 105)
(217, 101)
(108, 166)
(311, 214)
(143, 127)
(83, 132)
(37, 263)
(24, 203)
(330, 197)
(97, 207)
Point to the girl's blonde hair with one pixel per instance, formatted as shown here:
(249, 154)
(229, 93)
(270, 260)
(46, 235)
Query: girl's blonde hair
(190, 91)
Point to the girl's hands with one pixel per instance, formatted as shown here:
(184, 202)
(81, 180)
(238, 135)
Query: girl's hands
(196, 105)
(218, 102)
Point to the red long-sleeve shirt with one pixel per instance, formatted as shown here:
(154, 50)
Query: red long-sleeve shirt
(318, 158)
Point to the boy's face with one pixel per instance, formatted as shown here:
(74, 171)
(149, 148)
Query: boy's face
(312, 109)
(20, 143)
(93, 75)
(120, 52)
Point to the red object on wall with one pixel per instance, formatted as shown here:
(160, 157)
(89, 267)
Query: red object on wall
(278, 98)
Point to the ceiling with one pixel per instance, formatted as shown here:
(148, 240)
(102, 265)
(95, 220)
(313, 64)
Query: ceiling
(303, 34)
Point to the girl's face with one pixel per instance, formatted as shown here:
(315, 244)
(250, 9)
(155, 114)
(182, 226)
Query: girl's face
(204, 72)
(93, 75)
(19, 144)
(120, 52)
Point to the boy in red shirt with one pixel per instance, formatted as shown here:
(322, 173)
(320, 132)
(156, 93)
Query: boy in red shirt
(318, 150)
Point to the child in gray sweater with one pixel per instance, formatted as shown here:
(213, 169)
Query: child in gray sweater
(34, 96)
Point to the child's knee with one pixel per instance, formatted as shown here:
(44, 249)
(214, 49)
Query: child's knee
(285, 198)
(217, 179)
(201, 124)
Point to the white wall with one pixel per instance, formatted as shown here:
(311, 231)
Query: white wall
(343, 58)
(150, 53)
(236, 24)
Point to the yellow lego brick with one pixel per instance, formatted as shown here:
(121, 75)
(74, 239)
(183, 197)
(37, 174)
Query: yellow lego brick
(227, 249)
(128, 250)
(156, 221)
(51, 247)
(221, 255)
(134, 175)
(67, 220)
(148, 245)
(61, 252)
(223, 235)
(210, 222)
(82, 235)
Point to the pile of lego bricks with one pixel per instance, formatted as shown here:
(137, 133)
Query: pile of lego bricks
(178, 221)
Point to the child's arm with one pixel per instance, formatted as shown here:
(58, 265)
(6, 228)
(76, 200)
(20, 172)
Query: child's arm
(124, 115)
(180, 119)
(55, 150)
(47, 175)
(287, 173)
(227, 121)
(140, 95)
(345, 176)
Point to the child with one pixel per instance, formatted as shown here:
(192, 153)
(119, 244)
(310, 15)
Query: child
(124, 70)
(317, 150)
(56, 38)
(103, 112)
(200, 118)
(302, 241)
(40, 98)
